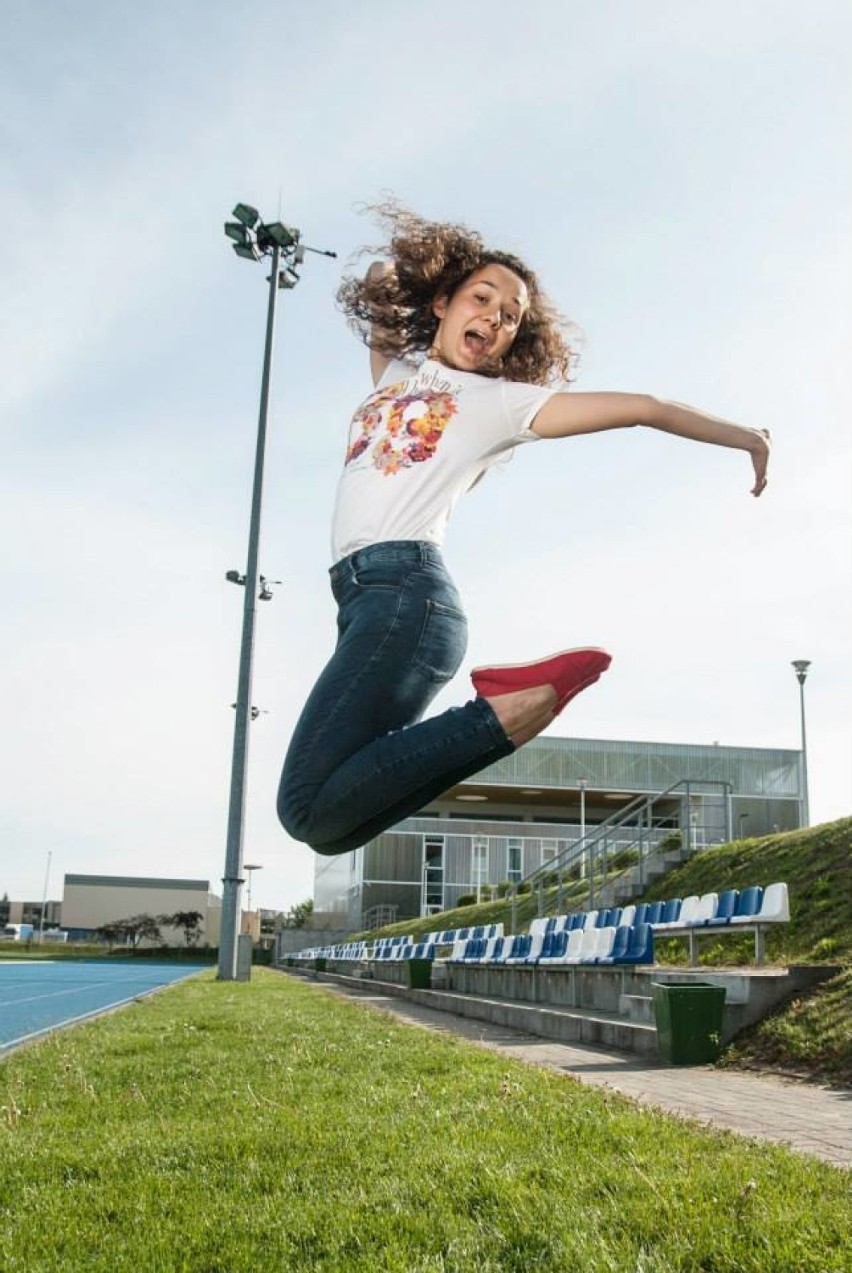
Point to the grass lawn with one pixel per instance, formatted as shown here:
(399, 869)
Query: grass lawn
(218, 1127)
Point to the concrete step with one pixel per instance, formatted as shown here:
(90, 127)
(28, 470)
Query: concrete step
(563, 1025)
(637, 1008)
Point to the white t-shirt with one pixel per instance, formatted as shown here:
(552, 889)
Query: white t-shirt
(418, 443)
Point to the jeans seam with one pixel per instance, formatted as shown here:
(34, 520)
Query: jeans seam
(438, 745)
(365, 667)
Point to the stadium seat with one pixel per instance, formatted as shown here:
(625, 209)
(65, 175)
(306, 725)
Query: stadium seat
(618, 948)
(604, 941)
(520, 949)
(662, 912)
(704, 912)
(748, 906)
(687, 909)
(590, 919)
(775, 908)
(554, 952)
(726, 908)
(539, 925)
(574, 947)
(627, 916)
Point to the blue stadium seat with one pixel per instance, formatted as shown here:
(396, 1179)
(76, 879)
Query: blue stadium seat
(663, 912)
(726, 908)
(619, 947)
(748, 905)
(668, 914)
(555, 950)
(520, 948)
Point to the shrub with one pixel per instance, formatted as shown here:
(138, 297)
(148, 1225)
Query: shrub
(466, 899)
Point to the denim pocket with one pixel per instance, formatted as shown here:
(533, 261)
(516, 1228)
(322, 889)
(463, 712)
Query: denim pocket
(442, 643)
(378, 573)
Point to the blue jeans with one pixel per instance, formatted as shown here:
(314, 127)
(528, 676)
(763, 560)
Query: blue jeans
(357, 762)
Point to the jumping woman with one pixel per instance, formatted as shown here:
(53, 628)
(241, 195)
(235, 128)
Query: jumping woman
(469, 359)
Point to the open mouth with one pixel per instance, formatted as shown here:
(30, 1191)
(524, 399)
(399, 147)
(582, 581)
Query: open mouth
(475, 343)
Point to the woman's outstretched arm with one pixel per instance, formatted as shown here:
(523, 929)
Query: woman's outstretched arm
(379, 360)
(566, 414)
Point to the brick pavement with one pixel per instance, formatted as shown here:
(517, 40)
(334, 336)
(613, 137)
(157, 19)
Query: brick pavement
(804, 1116)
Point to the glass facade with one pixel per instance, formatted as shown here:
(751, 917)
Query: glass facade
(532, 810)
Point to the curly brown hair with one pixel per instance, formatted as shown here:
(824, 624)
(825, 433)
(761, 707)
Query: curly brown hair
(392, 311)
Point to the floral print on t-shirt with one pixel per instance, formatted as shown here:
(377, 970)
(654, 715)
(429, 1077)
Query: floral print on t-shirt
(400, 428)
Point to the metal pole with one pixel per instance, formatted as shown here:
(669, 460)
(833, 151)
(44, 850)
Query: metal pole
(232, 879)
(44, 898)
(801, 668)
(581, 783)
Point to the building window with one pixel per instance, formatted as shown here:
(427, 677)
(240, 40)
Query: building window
(549, 850)
(516, 857)
(433, 874)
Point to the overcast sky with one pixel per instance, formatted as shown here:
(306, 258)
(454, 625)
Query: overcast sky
(680, 175)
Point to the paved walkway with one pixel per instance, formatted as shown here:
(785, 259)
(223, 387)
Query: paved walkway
(804, 1116)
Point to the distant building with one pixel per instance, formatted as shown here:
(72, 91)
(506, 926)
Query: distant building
(90, 901)
(529, 807)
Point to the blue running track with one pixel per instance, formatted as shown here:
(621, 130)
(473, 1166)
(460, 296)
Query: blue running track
(39, 996)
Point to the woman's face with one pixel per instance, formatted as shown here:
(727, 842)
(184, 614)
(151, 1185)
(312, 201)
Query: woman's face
(479, 322)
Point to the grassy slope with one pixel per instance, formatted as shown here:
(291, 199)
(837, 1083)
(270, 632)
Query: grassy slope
(219, 1127)
(810, 1036)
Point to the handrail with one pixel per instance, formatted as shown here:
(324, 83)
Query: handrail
(583, 847)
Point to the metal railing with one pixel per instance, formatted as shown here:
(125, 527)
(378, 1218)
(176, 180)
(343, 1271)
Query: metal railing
(622, 847)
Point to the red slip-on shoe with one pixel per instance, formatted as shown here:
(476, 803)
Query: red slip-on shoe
(568, 672)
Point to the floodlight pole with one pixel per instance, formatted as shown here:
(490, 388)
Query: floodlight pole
(232, 879)
(253, 241)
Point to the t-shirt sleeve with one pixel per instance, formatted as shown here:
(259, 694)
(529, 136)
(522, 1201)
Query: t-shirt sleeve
(522, 404)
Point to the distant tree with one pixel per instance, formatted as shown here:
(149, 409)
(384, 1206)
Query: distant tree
(188, 921)
(298, 916)
(131, 931)
(112, 932)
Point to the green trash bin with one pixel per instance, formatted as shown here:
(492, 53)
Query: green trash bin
(689, 1021)
(419, 974)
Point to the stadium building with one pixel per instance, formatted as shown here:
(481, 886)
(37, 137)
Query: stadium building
(554, 793)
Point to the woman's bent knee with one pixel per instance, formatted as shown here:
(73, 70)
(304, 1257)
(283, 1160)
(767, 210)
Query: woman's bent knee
(299, 820)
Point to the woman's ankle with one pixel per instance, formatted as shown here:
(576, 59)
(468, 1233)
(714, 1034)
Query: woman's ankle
(523, 714)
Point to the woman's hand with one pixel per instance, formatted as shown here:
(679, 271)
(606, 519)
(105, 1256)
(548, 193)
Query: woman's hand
(760, 459)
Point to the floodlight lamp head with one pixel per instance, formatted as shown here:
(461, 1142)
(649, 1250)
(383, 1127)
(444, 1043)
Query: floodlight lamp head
(246, 250)
(236, 231)
(284, 235)
(287, 278)
(248, 215)
(801, 669)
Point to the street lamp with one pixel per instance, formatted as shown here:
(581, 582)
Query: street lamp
(801, 669)
(252, 240)
(249, 867)
(582, 784)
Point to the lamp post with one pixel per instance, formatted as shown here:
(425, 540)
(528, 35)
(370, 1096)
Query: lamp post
(250, 868)
(800, 667)
(252, 239)
(582, 784)
(44, 898)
